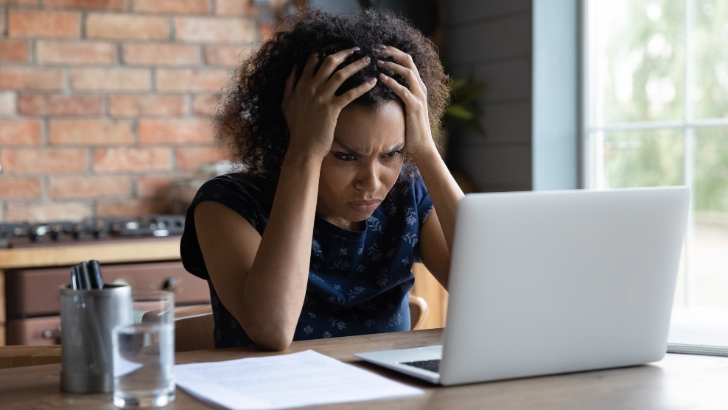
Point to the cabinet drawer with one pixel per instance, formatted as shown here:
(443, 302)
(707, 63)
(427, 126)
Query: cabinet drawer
(39, 331)
(34, 292)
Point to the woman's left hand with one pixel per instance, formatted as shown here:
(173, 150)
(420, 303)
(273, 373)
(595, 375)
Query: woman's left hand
(418, 136)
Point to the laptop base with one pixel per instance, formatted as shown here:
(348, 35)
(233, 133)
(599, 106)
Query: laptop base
(396, 359)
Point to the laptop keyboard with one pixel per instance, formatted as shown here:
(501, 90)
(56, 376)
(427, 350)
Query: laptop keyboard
(431, 365)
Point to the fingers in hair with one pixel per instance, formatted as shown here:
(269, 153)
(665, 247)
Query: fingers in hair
(338, 78)
(399, 56)
(331, 62)
(412, 77)
(401, 91)
(356, 92)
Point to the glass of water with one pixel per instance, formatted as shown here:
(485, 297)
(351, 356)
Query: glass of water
(144, 352)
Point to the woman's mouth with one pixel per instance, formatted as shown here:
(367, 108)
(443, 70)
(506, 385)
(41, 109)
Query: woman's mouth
(365, 207)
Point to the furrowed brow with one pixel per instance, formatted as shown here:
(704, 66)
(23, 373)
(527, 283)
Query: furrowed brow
(396, 147)
(349, 150)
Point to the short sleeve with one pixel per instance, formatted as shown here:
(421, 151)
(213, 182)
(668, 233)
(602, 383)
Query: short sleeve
(422, 199)
(243, 197)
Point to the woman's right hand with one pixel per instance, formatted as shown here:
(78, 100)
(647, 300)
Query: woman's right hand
(311, 107)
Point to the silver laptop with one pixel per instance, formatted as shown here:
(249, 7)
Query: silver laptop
(555, 282)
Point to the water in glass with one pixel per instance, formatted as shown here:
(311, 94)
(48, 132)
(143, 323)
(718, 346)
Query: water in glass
(144, 365)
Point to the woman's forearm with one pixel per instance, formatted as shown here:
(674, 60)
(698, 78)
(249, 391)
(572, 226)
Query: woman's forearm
(444, 191)
(276, 284)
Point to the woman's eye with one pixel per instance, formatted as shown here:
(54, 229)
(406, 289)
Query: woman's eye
(393, 154)
(345, 157)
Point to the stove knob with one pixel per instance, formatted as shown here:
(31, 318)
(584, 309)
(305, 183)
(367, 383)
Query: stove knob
(57, 233)
(170, 284)
(38, 232)
(79, 231)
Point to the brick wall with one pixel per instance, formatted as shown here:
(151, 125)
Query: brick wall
(104, 102)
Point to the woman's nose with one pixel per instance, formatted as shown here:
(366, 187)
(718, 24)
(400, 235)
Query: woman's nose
(368, 180)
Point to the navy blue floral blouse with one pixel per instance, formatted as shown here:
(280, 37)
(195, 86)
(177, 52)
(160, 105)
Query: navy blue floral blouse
(358, 282)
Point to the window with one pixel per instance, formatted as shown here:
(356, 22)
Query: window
(656, 114)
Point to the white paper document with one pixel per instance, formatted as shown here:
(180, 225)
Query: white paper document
(292, 380)
(698, 330)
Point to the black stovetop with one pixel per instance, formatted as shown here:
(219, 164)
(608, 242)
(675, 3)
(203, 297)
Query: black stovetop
(90, 229)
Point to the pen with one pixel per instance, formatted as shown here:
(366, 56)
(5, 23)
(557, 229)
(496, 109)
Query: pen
(74, 278)
(85, 277)
(95, 274)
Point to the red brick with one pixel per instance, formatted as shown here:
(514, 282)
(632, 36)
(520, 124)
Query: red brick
(230, 56)
(192, 157)
(7, 103)
(178, 131)
(110, 5)
(111, 79)
(154, 186)
(31, 78)
(132, 207)
(171, 6)
(20, 132)
(214, 30)
(36, 23)
(75, 52)
(55, 104)
(191, 80)
(43, 161)
(125, 26)
(206, 104)
(160, 54)
(22, 212)
(20, 188)
(14, 51)
(140, 105)
(234, 7)
(89, 186)
(90, 132)
(19, 2)
(132, 159)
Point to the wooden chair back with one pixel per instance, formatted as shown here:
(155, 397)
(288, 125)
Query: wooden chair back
(418, 312)
(194, 327)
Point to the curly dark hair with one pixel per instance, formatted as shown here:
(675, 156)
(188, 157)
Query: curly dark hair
(250, 121)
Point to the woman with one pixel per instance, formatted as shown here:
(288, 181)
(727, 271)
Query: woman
(317, 236)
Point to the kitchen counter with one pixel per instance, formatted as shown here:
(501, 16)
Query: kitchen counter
(110, 251)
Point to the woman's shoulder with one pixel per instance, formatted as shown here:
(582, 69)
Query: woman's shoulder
(259, 188)
(409, 185)
(408, 197)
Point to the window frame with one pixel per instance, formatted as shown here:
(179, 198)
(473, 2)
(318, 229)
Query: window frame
(592, 129)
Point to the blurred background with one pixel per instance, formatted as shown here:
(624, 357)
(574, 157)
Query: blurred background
(105, 112)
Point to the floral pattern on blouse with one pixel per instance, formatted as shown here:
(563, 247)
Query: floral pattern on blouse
(358, 282)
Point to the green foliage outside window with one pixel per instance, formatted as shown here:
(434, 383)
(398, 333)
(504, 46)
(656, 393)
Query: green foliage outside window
(644, 81)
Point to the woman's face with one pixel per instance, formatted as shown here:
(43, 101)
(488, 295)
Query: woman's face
(364, 163)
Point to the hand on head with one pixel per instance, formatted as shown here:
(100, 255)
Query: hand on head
(418, 136)
(311, 106)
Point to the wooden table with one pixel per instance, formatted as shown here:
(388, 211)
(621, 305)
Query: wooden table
(678, 381)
